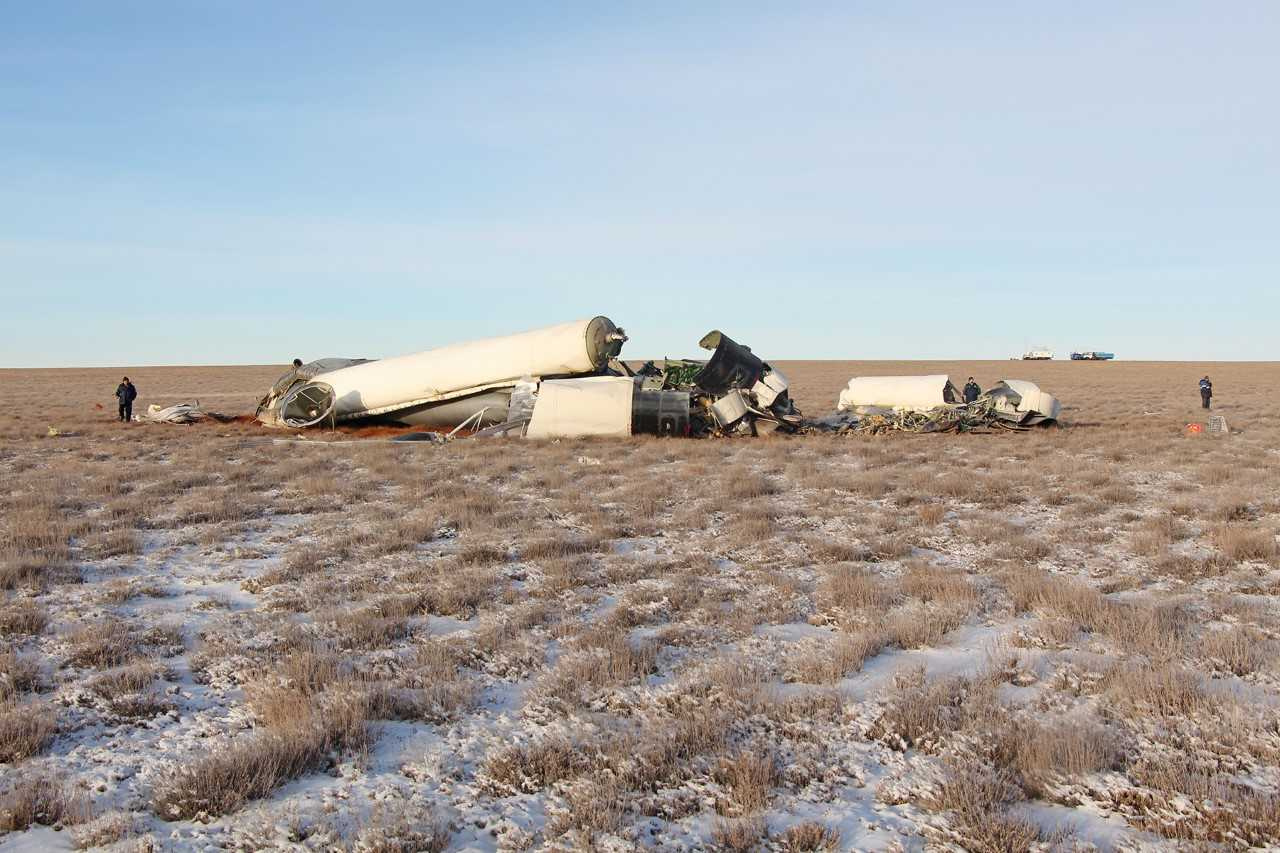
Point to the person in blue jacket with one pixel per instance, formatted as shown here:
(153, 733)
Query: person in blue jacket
(126, 393)
(971, 391)
(1206, 392)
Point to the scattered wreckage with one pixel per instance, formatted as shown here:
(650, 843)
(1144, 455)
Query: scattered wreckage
(179, 413)
(568, 381)
(877, 404)
(563, 381)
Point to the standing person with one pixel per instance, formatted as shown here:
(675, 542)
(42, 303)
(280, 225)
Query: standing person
(126, 393)
(1206, 392)
(971, 391)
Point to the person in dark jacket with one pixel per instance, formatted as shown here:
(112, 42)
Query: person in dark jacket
(126, 393)
(971, 391)
(1206, 392)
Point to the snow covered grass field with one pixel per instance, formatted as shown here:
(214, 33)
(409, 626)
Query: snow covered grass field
(1062, 639)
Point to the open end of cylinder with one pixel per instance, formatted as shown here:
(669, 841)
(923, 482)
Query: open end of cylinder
(308, 405)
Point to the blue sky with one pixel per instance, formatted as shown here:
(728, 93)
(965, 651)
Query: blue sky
(234, 182)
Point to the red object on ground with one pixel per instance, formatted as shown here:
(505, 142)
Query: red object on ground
(1195, 429)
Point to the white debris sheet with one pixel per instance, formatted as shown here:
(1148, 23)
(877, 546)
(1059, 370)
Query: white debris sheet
(178, 413)
(910, 393)
(576, 408)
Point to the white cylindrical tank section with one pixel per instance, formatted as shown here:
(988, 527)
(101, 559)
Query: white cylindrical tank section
(912, 393)
(576, 408)
(455, 371)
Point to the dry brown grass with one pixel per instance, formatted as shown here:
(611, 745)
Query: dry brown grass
(102, 644)
(252, 766)
(129, 691)
(1239, 542)
(810, 836)
(978, 799)
(25, 730)
(41, 799)
(22, 616)
(748, 778)
(637, 616)
(18, 674)
(738, 835)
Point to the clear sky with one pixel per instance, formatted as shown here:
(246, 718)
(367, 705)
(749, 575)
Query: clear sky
(243, 182)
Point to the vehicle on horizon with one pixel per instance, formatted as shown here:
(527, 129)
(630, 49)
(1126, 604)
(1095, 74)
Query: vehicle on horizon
(1038, 354)
(1092, 355)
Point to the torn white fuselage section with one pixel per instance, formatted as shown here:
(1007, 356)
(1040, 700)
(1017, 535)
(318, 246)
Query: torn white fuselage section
(443, 387)
(911, 393)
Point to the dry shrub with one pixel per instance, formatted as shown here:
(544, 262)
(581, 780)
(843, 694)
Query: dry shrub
(915, 627)
(739, 835)
(596, 804)
(1027, 547)
(810, 836)
(35, 538)
(918, 710)
(560, 548)
(532, 767)
(437, 702)
(852, 587)
(1117, 494)
(750, 777)
(370, 628)
(827, 550)
(978, 799)
(1194, 803)
(108, 829)
(1240, 651)
(930, 583)
(871, 484)
(293, 569)
(18, 674)
(41, 799)
(254, 765)
(102, 644)
(460, 592)
(749, 486)
(1041, 752)
(607, 659)
(1084, 605)
(836, 660)
(1166, 690)
(1228, 508)
(22, 616)
(118, 542)
(1241, 542)
(25, 730)
(403, 829)
(129, 690)
(931, 515)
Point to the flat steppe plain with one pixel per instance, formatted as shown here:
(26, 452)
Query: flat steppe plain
(1060, 639)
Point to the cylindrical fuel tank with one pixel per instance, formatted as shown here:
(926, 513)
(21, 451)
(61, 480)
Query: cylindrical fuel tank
(460, 370)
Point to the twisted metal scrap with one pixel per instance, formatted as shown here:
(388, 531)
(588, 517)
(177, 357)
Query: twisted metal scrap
(959, 417)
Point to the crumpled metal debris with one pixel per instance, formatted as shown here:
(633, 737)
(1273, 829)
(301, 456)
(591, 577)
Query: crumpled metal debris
(179, 413)
(906, 404)
(733, 392)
